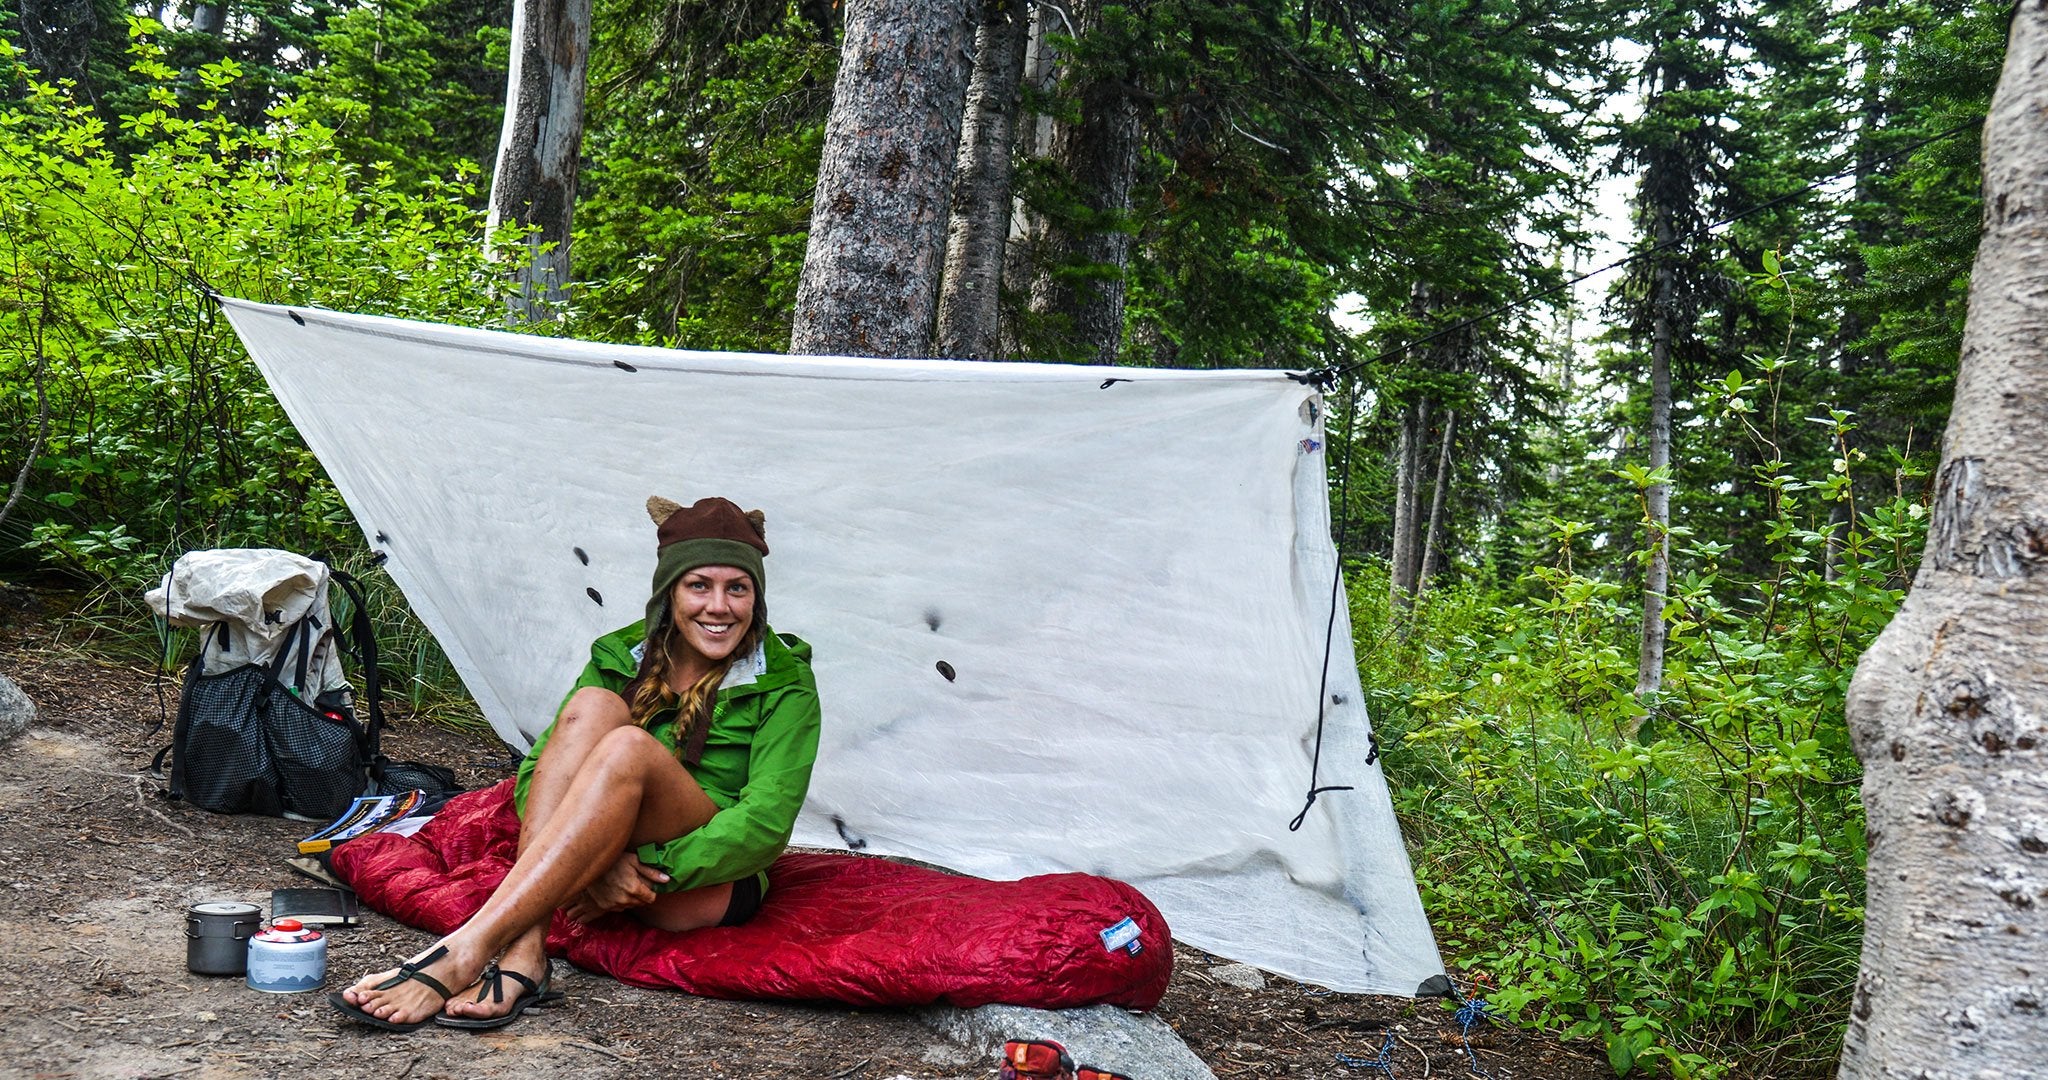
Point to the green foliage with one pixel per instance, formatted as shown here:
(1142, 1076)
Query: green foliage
(161, 435)
(1688, 894)
(696, 206)
(415, 87)
(1914, 224)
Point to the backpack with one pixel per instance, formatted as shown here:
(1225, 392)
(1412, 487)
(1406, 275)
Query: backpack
(267, 722)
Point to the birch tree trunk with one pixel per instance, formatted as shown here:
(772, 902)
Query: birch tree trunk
(1034, 132)
(540, 146)
(1433, 535)
(1657, 500)
(1949, 708)
(870, 282)
(976, 235)
(1407, 502)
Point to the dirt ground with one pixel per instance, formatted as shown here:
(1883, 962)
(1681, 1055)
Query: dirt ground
(97, 870)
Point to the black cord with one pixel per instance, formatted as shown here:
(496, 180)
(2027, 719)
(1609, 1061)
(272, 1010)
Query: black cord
(1336, 595)
(1325, 376)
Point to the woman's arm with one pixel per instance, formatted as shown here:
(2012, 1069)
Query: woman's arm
(745, 837)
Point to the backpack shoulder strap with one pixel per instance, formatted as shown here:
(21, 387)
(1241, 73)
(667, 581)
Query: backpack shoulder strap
(363, 639)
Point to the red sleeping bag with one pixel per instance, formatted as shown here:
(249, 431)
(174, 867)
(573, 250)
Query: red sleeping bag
(848, 928)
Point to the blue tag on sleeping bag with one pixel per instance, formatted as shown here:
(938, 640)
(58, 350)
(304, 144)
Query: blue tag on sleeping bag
(1123, 935)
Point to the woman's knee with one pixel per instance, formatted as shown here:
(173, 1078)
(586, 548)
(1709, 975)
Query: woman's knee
(626, 747)
(592, 711)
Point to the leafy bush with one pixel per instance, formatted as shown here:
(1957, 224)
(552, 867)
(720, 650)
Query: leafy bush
(152, 432)
(1684, 886)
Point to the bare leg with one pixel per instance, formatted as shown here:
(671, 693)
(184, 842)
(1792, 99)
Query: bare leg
(689, 909)
(589, 715)
(629, 790)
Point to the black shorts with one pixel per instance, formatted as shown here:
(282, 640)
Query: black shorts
(746, 899)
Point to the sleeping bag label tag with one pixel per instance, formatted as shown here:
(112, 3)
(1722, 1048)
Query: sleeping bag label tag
(1123, 935)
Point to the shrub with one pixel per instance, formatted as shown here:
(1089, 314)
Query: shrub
(1686, 886)
(151, 430)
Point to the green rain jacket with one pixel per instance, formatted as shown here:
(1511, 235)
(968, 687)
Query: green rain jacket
(757, 758)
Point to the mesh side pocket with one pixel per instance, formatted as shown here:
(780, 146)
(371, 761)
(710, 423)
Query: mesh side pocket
(221, 760)
(319, 760)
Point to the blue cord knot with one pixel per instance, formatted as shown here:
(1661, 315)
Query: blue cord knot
(1471, 1012)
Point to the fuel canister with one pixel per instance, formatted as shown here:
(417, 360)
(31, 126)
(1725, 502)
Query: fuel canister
(287, 959)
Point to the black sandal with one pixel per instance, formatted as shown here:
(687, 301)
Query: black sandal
(410, 970)
(491, 983)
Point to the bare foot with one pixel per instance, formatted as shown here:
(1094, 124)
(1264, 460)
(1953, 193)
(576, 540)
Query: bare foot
(412, 1000)
(528, 957)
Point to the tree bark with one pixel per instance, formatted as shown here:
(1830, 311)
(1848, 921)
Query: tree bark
(1949, 708)
(970, 298)
(210, 19)
(1407, 498)
(540, 146)
(1080, 285)
(870, 281)
(1432, 536)
(1657, 499)
(1027, 225)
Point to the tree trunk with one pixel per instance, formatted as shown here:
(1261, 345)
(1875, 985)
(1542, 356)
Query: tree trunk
(1657, 500)
(1949, 708)
(1432, 536)
(541, 145)
(870, 282)
(209, 19)
(969, 300)
(1407, 495)
(1080, 287)
(1027, 225)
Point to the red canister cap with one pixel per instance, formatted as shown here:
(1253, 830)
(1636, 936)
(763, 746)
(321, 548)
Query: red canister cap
(289, 926)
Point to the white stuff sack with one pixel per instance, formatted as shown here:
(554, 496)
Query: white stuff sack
(261, 594)
(1065, 618)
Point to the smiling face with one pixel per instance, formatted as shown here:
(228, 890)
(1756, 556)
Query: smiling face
(712, 608)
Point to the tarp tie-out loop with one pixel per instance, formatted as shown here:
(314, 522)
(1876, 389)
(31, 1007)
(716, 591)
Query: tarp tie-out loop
(1322, 378)
(1295, 825)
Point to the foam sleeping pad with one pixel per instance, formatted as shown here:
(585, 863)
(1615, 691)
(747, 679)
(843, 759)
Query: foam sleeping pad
(846, 928)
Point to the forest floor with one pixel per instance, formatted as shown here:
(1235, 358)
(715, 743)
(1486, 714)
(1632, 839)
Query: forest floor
(97, 870)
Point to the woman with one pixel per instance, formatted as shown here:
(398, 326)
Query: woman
(669, 781)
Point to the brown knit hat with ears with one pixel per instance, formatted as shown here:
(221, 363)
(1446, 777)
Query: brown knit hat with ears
(708, 532)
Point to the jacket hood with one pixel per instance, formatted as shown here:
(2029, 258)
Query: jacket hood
(783, 660)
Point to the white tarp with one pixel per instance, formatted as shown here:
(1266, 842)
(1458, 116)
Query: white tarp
(1129, 581)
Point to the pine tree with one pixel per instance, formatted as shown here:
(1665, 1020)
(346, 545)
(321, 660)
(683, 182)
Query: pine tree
(871, 270)
(1678, 144)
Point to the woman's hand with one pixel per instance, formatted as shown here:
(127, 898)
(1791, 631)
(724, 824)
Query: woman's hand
(627, 883)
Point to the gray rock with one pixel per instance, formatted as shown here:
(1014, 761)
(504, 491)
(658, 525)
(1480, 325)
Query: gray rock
(17, 712)
(1141, 1047)
(1242, 976)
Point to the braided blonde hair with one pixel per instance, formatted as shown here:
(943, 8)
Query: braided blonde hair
(651, 695)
